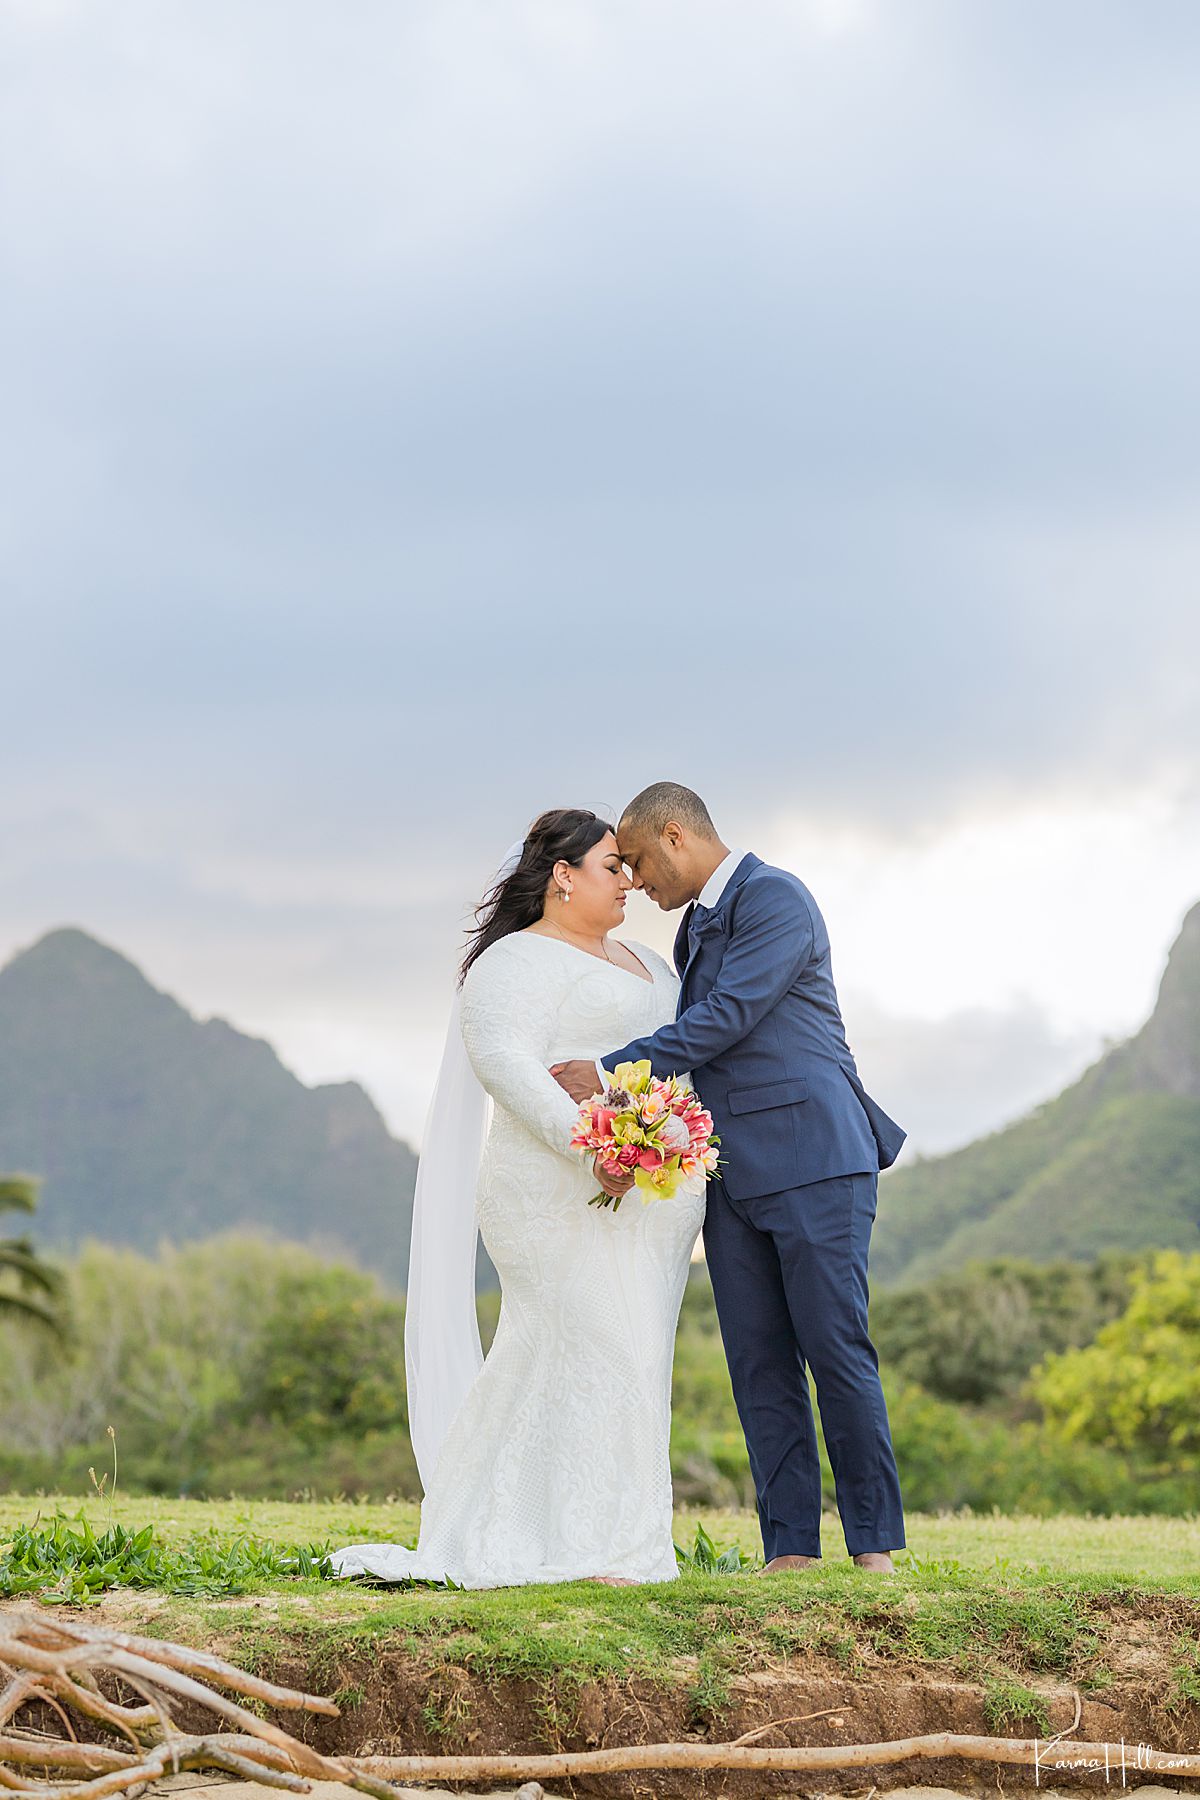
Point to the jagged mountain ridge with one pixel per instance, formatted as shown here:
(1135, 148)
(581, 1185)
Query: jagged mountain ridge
(145, 1122)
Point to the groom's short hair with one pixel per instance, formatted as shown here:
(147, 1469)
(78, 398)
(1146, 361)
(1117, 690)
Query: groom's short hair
(649, 811)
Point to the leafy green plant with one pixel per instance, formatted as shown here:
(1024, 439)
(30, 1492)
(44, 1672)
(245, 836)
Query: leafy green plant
(939, 1566)
(63, 1564)
(705, 1559)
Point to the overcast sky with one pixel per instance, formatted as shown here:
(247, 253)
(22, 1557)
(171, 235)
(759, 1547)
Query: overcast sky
(417, 415)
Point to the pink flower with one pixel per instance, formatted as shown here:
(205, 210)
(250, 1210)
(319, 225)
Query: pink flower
(675, 1123)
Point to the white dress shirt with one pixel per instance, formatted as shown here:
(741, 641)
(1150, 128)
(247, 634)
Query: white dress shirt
(717, 882)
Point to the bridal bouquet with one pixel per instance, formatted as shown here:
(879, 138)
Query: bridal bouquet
(657, 1130)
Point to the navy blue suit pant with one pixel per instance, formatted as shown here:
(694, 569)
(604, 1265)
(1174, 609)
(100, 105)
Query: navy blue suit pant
(789, 1273)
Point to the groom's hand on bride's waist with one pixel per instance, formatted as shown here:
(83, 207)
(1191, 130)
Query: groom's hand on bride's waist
(580, 1079)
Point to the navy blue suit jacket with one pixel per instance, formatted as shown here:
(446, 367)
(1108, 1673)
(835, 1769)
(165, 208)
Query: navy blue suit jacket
(758, 1026)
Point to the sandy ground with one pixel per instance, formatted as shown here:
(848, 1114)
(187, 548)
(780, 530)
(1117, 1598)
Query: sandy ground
(232, 1789)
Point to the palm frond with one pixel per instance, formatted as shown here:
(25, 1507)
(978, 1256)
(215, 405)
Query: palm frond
(19, 1193)
(17, 1303)
(20, 1256)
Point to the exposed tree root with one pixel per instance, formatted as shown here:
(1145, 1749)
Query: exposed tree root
(55, 1662)
(1044, 1755)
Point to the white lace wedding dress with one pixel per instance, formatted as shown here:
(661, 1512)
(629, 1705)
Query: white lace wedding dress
(556, 1465)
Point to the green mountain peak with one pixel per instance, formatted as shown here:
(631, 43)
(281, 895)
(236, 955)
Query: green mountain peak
(1112, 1163)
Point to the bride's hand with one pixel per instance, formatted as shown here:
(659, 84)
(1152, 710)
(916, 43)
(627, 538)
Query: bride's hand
(614, 1181)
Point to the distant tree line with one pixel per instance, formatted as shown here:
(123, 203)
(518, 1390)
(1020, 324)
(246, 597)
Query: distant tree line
(247, 1365)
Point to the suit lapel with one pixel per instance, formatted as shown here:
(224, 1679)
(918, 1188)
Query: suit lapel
(715, 921)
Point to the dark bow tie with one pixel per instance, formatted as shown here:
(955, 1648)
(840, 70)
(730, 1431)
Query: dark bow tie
(699, 915)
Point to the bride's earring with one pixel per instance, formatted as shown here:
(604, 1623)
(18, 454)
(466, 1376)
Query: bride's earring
(564, 894)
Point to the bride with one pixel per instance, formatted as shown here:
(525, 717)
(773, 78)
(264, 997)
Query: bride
(549, 1460)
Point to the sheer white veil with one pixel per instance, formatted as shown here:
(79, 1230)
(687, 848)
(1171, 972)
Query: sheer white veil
(442, 1351)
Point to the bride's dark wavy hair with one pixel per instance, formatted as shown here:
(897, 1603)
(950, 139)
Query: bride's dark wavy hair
(564, 834)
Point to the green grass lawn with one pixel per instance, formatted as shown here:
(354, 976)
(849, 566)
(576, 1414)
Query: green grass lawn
(1145, 1548)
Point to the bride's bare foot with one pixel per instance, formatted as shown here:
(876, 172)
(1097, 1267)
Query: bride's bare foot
(614, 1580)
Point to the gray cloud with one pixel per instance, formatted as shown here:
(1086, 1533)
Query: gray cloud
(949, 1081)
(417, 420)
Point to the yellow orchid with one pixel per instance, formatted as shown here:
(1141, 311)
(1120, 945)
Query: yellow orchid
(657, 1184)
(634, 1077)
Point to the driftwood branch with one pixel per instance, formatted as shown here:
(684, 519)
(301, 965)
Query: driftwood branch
(1031, 1753)
(187, 1660)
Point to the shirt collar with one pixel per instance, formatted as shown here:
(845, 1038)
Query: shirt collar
(717, 882)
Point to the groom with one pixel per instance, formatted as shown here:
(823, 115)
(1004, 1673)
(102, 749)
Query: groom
(788, 1224)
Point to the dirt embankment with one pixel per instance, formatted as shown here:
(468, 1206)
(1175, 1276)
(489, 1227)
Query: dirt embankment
(1133, 1690)
(405, 1709)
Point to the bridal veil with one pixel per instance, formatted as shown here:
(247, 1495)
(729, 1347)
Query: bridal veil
(442, 1350)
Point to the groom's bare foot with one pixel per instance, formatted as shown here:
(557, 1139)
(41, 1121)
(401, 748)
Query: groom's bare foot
(779, 1563)
(876, 1559)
